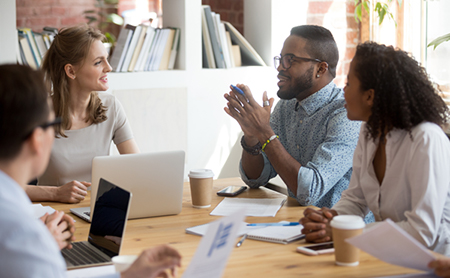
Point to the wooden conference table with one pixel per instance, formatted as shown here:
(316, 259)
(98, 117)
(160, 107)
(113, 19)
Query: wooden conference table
(253, 258)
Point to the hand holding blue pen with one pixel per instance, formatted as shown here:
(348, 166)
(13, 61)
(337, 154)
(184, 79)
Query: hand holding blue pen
(274, 224)
(237, 89)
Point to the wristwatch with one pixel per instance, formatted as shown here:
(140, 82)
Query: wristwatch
(255, 150)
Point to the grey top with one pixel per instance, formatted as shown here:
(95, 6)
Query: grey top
(71, 157)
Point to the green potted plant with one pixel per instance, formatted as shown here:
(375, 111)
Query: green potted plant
(105, 17)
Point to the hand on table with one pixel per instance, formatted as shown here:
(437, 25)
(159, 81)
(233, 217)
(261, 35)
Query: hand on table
(316, 224)
(62, 228)
(441, 267)
(154, 262)
(72, 192)
(253, 118)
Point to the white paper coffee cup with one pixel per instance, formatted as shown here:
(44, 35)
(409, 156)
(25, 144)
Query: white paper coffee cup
(123, 262)
(201, 182)
(343, 227)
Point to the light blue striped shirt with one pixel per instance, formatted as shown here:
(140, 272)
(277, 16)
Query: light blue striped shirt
(321, 138)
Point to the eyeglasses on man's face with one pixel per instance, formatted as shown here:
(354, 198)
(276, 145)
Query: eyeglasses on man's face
(286, 60)
(57, 121)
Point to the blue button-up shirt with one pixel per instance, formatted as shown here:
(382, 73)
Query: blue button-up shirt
(318, 134)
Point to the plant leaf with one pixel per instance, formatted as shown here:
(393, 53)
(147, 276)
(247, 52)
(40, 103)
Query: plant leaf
(366, 6)
(381, 14)
(114, 18)
(358, 13)
(439, 40)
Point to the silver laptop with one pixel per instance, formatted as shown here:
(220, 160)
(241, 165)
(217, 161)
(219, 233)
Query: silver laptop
(107, 229)
(155, 179)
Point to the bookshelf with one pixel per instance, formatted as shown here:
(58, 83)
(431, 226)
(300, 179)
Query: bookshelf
(183, 108)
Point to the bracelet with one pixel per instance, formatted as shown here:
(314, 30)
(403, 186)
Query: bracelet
(255, 150)
(273, 137)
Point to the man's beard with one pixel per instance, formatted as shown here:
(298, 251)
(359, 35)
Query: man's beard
(301, 84)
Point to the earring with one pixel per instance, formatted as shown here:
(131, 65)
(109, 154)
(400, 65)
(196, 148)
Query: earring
(317, 76)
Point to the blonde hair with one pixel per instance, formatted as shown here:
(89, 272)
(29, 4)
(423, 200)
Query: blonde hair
(70, 46)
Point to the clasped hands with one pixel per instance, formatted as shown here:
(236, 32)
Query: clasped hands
(316, 224)
(61, 227)
(253, 118)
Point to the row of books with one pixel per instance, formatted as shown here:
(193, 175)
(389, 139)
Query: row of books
(223, 46)
(144, 48)
(34, 45)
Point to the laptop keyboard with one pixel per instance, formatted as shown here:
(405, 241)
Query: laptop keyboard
(83, 254)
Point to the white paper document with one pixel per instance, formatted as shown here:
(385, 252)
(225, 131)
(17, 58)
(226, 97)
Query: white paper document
(215, 247)
(40, 210)
(391, 244)
(88, 272)
(253, 207)
(200, 230)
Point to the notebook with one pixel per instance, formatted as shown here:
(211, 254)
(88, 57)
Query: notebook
(277, 234)
(155, 179)
(112, 206)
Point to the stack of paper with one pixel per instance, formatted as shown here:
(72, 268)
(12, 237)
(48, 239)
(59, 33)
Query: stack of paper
(40, 210)
(253, 207)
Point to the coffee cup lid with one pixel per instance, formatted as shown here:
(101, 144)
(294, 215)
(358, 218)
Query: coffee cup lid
(201, 173)
(347, 222)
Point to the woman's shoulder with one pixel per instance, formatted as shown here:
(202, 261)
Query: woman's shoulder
(429, 131)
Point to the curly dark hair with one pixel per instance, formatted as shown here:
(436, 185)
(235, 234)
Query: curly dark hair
(404, 96)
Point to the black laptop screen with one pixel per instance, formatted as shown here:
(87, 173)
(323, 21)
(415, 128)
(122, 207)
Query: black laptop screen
(109, 218)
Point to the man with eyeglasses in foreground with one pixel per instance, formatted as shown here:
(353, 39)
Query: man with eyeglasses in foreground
(27, 249)
(308, 139)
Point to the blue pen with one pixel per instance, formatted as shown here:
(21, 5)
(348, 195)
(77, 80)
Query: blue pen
(274, 224)
(237, 90)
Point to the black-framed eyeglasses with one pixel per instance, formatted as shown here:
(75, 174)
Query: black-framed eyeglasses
(57, 121)
(286, 60)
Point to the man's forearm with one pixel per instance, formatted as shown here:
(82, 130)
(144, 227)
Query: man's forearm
(252, 165)
(284, 164)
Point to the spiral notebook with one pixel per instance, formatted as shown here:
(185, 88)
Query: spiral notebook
(277, 234)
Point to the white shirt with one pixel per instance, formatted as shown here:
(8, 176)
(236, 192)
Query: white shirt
(27, 249)
(415, 190)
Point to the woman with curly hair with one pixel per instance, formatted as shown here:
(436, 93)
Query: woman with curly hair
(76, 68)
(402, 159)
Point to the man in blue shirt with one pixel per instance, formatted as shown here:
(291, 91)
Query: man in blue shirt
(308, 139)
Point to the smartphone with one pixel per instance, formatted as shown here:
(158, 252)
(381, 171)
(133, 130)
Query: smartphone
(231, 191)
(317, 249)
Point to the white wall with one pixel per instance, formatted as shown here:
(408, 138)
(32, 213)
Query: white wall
(8, 31)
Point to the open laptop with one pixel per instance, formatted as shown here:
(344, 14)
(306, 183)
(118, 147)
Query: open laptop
(155, 179)
(112, 206)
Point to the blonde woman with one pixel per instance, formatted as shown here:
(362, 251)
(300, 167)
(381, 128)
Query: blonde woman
(76, 68)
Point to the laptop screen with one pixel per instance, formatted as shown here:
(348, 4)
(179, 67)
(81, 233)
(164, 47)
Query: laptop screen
(109, 218)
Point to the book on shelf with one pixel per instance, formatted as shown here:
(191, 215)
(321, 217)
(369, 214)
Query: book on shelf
(207, 49)
(174, 50)
(223, 46)
(249, 55)
(164, 63)
(145, 51)
(118, 52)
(131, 48)
(26, 51)
(138, 48)
(40, 43)
(218, 56)
(144, 48)
(32, 43)
(129, 30)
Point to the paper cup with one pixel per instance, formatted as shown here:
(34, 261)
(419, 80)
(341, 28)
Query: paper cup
(122, 263)
(201, 182)
(343, 227)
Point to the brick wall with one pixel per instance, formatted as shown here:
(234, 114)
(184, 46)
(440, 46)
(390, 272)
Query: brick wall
(53, 13)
